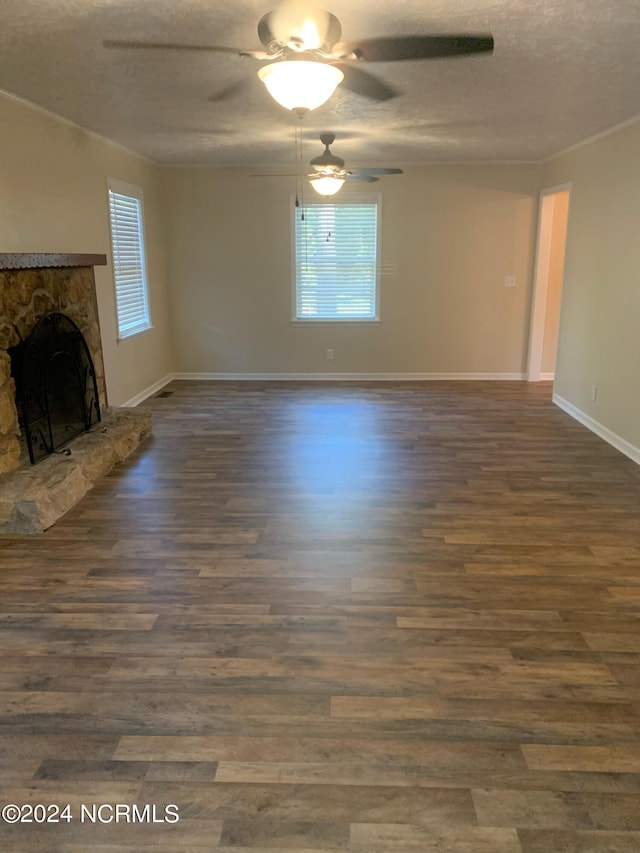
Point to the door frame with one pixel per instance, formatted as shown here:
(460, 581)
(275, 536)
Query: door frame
(541, 278)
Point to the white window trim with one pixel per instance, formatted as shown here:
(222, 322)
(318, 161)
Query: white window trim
(134, 191)
(347, 198)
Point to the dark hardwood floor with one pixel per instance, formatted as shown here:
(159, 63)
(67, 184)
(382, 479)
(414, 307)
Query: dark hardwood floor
(318, 618)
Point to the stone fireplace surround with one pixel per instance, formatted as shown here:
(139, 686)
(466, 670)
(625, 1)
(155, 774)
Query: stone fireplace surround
(33, 497)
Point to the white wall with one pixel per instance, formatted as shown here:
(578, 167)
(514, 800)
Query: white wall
(600, 320)
(450, 235)
(53, 199)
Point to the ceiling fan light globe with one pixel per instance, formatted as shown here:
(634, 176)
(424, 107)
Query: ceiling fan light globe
(300, 85)
(327, 184)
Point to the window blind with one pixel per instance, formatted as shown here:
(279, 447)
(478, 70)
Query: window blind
(127, 243)
(336, 262)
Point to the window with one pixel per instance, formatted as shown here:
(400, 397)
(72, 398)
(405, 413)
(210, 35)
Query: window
(129, 267)
(336, 260)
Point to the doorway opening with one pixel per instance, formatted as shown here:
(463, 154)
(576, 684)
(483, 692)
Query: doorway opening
(547, 283)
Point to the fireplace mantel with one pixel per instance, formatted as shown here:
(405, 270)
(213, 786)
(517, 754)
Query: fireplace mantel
(48, 260)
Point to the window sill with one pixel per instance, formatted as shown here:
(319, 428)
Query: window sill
(134, 335)
(323, 322)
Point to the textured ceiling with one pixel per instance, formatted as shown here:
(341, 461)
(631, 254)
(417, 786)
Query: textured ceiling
(562, 71)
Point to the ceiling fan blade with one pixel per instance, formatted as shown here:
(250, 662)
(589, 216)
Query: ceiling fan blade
(228, 92)
(377, 170)
(398, 48)
(156, 45)
(365, 84)
(361, 177)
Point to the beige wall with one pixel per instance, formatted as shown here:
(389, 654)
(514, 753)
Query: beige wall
(450, 235)
(600, 323)
(53, 199)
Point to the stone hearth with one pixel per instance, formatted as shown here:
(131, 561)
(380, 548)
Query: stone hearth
(33, 497)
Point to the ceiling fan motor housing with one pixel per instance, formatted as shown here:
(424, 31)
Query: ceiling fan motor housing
(331, 33)
(327, 162)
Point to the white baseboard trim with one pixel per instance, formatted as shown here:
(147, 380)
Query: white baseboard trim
(603, 432)
(150, 391)
(348, 377)
(547, 377)
(318, 377)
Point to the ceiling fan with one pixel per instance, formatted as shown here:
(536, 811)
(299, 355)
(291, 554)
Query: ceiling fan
(329, 173)
(307, 60)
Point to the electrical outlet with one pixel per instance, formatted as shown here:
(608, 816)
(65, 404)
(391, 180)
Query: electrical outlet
(329, 354)
(594, 393)
(509, 281)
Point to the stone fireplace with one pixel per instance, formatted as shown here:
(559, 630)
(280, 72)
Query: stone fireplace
(32, 287)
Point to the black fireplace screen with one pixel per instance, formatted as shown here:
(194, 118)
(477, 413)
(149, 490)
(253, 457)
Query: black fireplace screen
(56, 389)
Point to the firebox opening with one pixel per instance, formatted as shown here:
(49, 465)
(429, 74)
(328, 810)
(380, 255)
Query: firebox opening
(56, 390)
